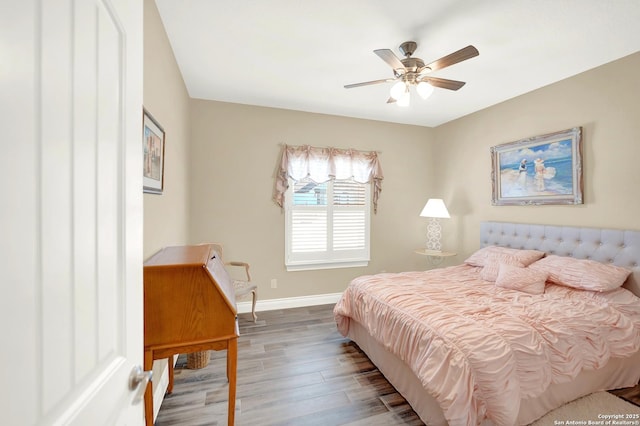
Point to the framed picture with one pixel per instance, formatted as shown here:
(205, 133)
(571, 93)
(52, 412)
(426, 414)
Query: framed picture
(543, 169)
(153, 153)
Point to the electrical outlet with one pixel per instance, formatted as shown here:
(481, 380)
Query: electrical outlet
(274, 283)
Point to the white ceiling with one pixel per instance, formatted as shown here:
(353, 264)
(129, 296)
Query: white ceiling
(298, 54)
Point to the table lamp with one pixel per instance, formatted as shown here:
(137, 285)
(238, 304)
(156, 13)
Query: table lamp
(434, 210)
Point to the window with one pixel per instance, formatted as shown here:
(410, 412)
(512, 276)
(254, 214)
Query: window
(327, 224)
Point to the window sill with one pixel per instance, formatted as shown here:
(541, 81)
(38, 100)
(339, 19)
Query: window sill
(326, 265)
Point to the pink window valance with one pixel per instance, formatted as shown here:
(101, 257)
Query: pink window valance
(323, 164)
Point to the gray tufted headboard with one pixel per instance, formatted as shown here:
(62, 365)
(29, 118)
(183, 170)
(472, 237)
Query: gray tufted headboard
(619, 247)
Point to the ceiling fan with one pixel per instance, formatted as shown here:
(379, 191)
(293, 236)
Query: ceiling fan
(412, 71)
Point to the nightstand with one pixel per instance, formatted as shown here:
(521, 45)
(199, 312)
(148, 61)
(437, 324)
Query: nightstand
(435, 257)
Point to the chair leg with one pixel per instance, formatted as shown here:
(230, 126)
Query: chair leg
(170, 386)
(254, 295)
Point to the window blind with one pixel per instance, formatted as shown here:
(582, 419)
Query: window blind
(327, 224)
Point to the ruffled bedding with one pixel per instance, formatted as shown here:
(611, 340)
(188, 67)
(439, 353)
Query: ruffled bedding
(478, 349)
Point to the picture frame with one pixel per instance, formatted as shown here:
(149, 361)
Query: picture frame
(153, 138)
(544, 169)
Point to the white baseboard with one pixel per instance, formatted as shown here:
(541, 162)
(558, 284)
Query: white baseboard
(161, 383)
(289, 302)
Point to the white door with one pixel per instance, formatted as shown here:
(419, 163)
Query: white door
(71, 211)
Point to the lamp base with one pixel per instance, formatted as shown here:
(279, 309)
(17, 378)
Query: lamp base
(434, 235)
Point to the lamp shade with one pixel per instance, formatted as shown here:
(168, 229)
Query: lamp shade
(424, 89)
(397, 90)
(435, 208)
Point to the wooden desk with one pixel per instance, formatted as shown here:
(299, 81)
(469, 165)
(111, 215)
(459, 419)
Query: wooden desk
(189, 306)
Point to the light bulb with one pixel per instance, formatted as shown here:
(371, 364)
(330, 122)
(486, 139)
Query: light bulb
(424, 89)
(397, 90)
(404, 99)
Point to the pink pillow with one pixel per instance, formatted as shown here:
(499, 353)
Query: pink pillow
(526, 257)
(523, 279)
(492, 265)
(582, 274)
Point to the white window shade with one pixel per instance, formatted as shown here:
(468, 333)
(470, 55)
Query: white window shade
(348, 230)
(349, 216)
(308, 230)
(327, 224)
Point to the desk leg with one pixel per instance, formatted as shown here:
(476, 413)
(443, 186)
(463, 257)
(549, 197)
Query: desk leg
(170, 386)
(148, 395)
(232, 360)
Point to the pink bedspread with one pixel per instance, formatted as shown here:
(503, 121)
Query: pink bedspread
(479, 349)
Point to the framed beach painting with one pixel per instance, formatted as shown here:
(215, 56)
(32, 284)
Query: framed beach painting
(153, 153)
(544, 169)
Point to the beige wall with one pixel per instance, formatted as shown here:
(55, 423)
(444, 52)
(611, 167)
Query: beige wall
(220, 162)
(603, 101)
(166, 98)
(235, 150)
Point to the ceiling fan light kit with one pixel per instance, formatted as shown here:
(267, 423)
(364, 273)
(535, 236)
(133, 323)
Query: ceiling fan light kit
(398, 89)
(412, 71)
(404, 100)
(424, 89)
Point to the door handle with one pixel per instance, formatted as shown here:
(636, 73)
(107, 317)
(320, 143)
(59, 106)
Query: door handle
(139, 379)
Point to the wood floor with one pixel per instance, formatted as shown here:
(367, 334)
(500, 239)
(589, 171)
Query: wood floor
(294, 368)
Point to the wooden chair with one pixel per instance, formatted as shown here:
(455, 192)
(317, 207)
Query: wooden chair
(243, 287)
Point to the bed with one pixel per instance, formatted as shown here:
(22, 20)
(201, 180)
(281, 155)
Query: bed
(532, 352)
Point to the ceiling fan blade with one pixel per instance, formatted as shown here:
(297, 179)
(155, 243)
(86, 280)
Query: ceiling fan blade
(443, 83)
(459, 56)
(368, 83)
(390, 58)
